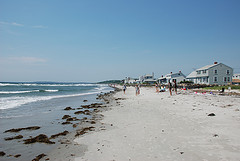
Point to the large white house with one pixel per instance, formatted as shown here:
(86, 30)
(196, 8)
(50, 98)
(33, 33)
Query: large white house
(149, 79)
(171, 77)
(217, 73)
(129, 80)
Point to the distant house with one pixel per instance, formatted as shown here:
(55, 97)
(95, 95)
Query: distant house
(236, 79)
(171, 77)
(217, 73)
(129, 80)
(149, 79)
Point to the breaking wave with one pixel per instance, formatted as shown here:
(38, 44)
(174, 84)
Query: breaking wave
(18, 92)
(12, 102)
(46, 85)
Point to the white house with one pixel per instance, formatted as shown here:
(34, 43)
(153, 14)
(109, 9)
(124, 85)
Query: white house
(129, 80)
(236, 76)
(217, 73)
(147, 79)
(236, 79)
(171, 77)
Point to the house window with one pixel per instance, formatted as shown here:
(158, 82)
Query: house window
(228, 79)
(215, 71)
(204, 71)
(199, 72)
(225, 79)
(228, 72)
(204, 79)
(207, 79)
(215, 79)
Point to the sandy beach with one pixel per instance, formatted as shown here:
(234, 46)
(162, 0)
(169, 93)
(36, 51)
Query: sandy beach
(156, 126)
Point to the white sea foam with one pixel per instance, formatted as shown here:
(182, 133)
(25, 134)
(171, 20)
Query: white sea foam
(101, 88)
(16, 92)
(12, 102)
(51, 90)
(50, 85)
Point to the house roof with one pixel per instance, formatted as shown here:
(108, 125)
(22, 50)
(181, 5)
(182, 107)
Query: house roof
(179, 74)
(207, 67)
(192, 75)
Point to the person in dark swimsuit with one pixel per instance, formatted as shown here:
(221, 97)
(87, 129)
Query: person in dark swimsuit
(175, 86)
(170, 87)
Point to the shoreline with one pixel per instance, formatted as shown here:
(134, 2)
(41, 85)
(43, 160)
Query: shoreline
(69, 149)
(49, 125)
(156, 126)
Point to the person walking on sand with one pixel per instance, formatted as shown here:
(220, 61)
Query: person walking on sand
(175, 85)
(137, 90)
(157, 87)
(170, 87)
(124, 88)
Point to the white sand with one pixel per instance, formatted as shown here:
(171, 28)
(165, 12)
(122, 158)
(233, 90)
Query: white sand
(155, 126)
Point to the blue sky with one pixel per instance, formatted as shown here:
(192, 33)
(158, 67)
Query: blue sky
(94, 40)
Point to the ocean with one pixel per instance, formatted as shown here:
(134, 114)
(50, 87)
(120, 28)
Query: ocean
(40, 104)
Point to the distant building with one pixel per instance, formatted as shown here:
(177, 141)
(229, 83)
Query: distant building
(129, 80)
(149, 79)
(171, 77)
(217, 73)
(236, 79)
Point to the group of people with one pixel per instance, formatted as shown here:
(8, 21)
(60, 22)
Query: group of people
(158, 88)
(137, 87)
(170, 86)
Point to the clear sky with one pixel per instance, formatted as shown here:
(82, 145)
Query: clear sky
(94, 40)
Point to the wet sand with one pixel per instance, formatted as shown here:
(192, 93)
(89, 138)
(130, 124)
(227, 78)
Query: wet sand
(156, 126)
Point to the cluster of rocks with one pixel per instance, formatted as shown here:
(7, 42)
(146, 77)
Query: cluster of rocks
(40, 156)
(20, 129)
(14, 137)
(64, 133)
(40, 138)
(84, 131)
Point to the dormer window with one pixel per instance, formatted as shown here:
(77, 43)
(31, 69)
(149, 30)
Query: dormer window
(228, 72)
(199, 72)
(204, 71)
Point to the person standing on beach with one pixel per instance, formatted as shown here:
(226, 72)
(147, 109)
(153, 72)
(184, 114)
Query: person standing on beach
(175, 85)
(137, 90)
(170, 87)
(124, 88)
(157, 87)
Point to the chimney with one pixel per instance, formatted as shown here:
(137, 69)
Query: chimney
(215, 62)
(171, 72)
(179, 71)
(162, 75)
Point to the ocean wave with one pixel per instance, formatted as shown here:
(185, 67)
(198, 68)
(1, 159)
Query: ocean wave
(19, 92)
(101, 88)
(46, 85)
(13, 102)
(51, 90)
